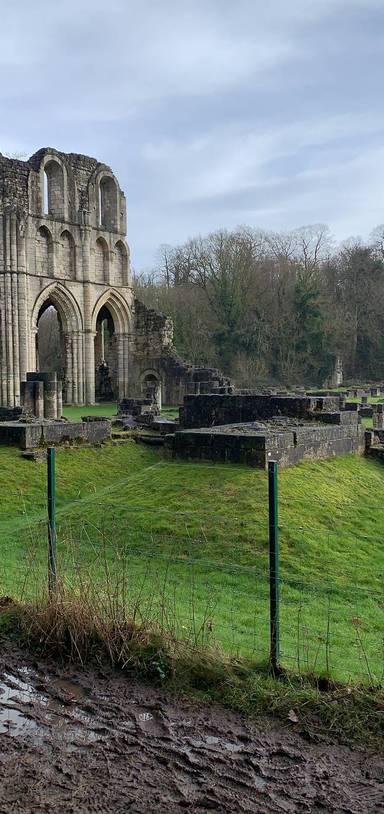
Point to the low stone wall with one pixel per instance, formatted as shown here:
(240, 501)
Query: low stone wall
(35, 434)
(254, 444)
(10, 413)
(217, 409)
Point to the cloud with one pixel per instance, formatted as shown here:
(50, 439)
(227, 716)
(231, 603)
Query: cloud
(210, 113)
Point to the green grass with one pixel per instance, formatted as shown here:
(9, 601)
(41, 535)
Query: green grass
(108, 409)
(188, 542)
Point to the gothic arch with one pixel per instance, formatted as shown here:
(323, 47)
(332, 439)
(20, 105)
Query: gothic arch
(107, 203)
(119, 270)
(118, 308)
(66, 261)
(54, 187)
(65, 303)
(44, 255)
(71, 322)
(101, 255)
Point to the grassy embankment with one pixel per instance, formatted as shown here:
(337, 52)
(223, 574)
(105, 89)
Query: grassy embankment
(186, 544)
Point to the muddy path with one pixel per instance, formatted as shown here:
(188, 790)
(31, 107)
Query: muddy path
(83, 741)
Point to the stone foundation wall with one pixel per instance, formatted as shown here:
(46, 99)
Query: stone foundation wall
(216, 409)
(36, 434)
(246, 444)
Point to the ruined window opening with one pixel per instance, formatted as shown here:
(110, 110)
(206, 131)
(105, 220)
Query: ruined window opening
(44, 253)
(66, 265)
(100, 208)
(108, 204)
(45, 194)
(101, 261)
(53, 189)
(119, 268)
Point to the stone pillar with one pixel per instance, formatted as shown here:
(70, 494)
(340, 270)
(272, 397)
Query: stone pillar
(378, 416)
(27, 396)
(69, 368)
(15, 312)
(8, 312)
(75, 374)
(22, 301)
(59, 399)
(89, 336)
(120, 365)
(50, 396)
(126, 365)
(39, 399)
(3, 341)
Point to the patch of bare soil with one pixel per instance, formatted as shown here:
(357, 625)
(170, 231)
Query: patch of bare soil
(83, 741)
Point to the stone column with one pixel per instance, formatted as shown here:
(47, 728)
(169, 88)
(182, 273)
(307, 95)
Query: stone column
(120, 365)
(126, 365)
(59, 399)
(3, 340)
(15, 312)
(75, 373)
(8, 312)
(80, 368)
(39, 399)
(69, 368)
(89, 336)
(50, 397)
(22, 301)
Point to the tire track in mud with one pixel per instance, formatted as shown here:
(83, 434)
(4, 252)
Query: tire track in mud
(82, 741)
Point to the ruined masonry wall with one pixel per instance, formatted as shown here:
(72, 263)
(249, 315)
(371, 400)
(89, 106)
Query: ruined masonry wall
(48, 251)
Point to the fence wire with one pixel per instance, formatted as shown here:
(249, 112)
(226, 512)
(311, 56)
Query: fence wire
(205, 577)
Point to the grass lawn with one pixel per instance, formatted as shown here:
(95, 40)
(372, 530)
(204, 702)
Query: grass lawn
(108, 409)
(188, 544)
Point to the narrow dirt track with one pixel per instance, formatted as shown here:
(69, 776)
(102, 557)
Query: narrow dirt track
(81, 741)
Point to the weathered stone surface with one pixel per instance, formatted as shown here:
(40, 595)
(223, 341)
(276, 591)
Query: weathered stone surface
(63, 243)
(256, 443)
(214, 409)
(45, 433)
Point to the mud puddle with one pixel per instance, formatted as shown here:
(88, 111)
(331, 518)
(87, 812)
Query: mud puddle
(25, 709)
(89, 742)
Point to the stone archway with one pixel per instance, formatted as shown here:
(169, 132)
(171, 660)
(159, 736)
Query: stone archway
(110, 326)
(106, 362)
(71, 339)
(151, 386)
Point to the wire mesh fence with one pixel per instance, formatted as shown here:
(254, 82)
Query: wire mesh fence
(206, 577)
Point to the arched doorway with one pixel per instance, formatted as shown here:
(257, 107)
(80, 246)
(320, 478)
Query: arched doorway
(151, 386)
(50, 342)
(57, 340)
(110, 326)
(106, 357)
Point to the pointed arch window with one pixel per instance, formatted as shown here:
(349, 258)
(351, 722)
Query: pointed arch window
(53, 189)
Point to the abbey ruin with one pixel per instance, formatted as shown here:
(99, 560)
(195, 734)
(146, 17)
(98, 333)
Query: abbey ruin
(63, 245)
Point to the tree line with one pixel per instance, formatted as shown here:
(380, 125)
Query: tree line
(269, 307)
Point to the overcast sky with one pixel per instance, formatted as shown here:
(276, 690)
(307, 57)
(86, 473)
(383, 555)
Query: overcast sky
(212, 113)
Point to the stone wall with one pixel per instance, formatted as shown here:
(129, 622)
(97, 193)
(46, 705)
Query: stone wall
(36, 434)
(156, 355)
(215, 409)
(49, 253)
(255, 444)
(67, 249)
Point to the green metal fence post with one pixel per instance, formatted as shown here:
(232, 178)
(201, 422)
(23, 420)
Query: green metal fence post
(51, 484)
(274, 566)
